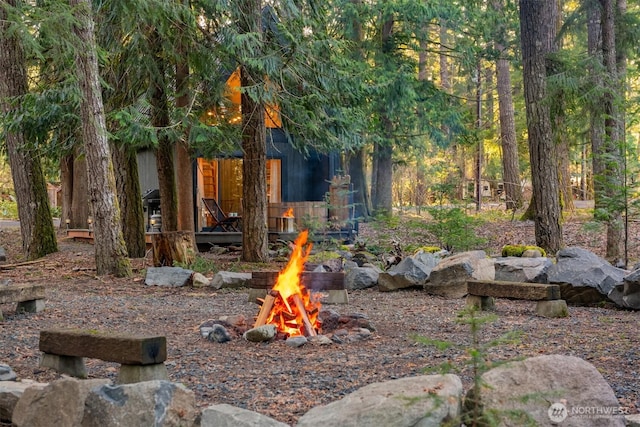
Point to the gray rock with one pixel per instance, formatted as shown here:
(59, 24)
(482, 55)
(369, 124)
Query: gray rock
(3, 254)
(167, 276)
(60, 403)
(631, 290)
(219, 334)
(199, 280)
(532, 389)
(149, 403)
(6, 373)
(449, 277)
(430, 259)
(360, 277)
(224, 415)
(261, 333)
(296, 342)
(421, 401)
(406, 274)
(320, 340)
(229, 279)
(633, 420)
(586, 278)
(518, 269)
(10, 393)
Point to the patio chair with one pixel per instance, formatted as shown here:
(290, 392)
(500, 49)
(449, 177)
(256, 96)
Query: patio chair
(220, 219)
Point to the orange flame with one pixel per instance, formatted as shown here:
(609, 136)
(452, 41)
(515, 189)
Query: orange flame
(285, 314)
(288, 213)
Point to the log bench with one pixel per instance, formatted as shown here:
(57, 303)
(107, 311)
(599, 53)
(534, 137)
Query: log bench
(481, 294)
(141, 358)
(30, 297)
(329, 283)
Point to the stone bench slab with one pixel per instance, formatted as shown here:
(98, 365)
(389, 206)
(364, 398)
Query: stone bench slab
(21, 293)
(121, 348)
(514, 290)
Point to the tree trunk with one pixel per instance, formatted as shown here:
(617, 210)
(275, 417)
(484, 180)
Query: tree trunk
(66, 188)
(36, 226)
(165, 150)
(125, 165)
(384, 179)
(559, 127)
(621, 62)
(184, 162)
(361, 201)
(612, 143)
(510, 163)
(479, 143)
(80, 206)
(383, 202)
(596, 125)
(172, 247)
(356, 160)
(111, 253)
(254, 166)
(537, 29)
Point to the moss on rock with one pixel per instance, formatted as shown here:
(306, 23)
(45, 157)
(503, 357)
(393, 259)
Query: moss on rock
(518, 250)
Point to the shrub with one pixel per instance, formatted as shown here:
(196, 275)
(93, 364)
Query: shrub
(455, 229)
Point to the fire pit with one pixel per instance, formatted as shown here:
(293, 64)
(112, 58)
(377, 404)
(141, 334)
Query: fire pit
(289, 305)
(292, 310)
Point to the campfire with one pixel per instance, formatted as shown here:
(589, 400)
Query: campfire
(290, 306)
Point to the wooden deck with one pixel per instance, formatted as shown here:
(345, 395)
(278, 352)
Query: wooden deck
(206, 239)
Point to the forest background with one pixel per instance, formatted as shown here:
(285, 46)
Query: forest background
(432, 103)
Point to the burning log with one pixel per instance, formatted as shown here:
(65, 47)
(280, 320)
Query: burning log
(305, 318)
(266, 307)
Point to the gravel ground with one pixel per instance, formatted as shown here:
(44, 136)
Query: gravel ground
(281, 382)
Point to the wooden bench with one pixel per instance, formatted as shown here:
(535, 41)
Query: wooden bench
(481, 294)
(30, 298)
(141, 358)
(329, 283)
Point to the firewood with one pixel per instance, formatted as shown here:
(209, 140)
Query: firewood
(305, 318)
(265, 310)
(288, 316)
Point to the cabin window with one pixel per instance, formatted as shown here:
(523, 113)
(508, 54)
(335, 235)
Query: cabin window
(221, 179)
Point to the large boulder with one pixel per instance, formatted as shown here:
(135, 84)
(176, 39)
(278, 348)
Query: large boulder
(149, 403)
(363, 277)
(409, 272)
(427, 400)
(10, 394)
(60, 403)
(449, 278)
(519, 269)
(585, 278)
(631, 290)
(546, 390)
(224, 415)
